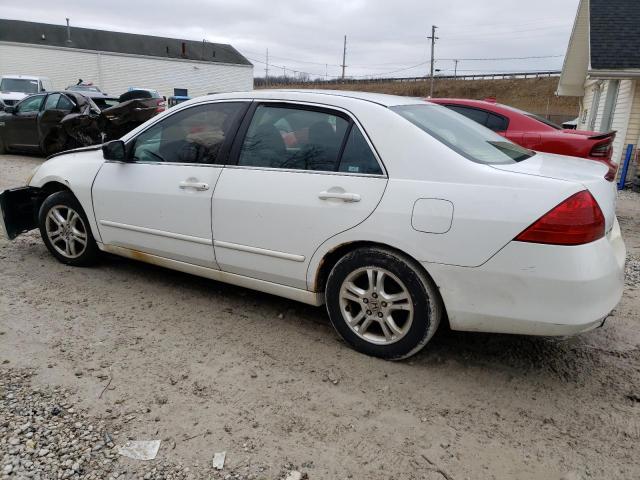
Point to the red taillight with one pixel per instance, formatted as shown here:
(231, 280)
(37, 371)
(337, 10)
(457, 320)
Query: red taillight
(161, 106)
(602, 150)
(575, 221)
(612, 173)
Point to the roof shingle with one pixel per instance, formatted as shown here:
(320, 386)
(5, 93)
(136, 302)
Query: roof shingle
(118, 42)
(614, 34)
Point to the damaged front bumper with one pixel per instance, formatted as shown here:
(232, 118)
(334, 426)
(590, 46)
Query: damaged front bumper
(18, 211)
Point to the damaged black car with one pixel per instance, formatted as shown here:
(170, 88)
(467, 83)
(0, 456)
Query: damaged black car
(52, 122)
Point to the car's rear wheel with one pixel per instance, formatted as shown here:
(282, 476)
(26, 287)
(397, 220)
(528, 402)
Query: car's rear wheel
(382, 304)
(64, 228)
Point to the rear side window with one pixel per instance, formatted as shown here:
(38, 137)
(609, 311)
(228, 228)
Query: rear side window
(293, 138)
(478, 116)
(462, 135)
(497, 123)
(357, 156)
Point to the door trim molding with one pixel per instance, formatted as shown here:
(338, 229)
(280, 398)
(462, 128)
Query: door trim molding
(292, 293)
(259, 251)
(159, 233)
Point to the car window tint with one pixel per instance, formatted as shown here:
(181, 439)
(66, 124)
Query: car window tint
(357, 156)
(474, 114)
(193, 135)
(65, 104)
(31, 104)
(301, 139)
(497, 123)
(52, 101)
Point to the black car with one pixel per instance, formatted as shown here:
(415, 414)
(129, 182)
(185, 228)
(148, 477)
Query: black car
(51, 122)
(35, 123)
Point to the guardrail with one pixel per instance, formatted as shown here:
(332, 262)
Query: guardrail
(260, 82)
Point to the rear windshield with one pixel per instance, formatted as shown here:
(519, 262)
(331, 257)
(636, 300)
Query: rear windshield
(469, 139)
(540, 119)
(19, 85)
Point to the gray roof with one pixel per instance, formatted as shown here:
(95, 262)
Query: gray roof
(615, 34)
(118, 42)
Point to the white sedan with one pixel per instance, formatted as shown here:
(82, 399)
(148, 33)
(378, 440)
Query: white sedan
(395, 213)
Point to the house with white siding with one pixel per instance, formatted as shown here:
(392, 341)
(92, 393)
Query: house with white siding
(602, 66)
(116, 61)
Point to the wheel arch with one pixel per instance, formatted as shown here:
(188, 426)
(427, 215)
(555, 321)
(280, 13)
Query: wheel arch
(330, 258)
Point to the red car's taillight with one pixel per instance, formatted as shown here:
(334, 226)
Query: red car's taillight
(601, 150)
(576, 221)
(612, 172)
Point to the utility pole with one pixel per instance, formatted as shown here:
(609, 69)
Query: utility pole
(326, 72)
(455, 68)
(433, 39)
(266, 70)
(344, 56)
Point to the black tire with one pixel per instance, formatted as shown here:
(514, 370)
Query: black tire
(423, 297)
(77, 255)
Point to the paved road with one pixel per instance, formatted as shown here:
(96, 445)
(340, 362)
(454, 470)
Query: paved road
(268, 381)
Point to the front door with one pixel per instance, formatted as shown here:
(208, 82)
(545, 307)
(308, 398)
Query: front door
(159, 202)
(23, 125)
(301, 175)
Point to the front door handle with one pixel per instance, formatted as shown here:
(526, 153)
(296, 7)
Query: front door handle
(345, 197)
(200, 186)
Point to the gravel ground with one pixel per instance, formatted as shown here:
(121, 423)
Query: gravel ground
(91, 358)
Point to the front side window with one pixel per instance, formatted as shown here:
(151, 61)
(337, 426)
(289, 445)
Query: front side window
(65, 104)
(31, 104)
(293, 138)
(193, 135)
(462, 135)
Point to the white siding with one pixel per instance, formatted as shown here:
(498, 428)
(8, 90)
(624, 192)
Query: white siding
(585, 110)
(621, 118)
(115, 73)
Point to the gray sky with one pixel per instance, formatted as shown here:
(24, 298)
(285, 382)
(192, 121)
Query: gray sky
(385, 38)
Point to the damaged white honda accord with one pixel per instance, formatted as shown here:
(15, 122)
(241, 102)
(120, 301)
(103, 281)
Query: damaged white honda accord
(397, 214)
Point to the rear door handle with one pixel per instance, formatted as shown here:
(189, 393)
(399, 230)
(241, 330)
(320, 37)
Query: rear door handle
(345, 197)
(201, 186)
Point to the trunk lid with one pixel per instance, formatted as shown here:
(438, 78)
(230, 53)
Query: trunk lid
(588, 173)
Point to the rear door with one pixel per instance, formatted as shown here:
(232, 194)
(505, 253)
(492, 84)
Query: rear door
(159, 202)
(300, 175)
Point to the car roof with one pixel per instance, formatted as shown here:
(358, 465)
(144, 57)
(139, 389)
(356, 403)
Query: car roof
(320, 96)
(23, 77)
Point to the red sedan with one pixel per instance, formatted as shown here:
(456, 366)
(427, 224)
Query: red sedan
(534, 132)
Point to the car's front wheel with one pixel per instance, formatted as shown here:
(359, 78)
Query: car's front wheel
(382, 304)
(64, 228)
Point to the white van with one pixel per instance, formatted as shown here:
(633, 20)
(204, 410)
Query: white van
(14, 88)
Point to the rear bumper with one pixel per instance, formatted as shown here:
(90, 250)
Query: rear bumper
(534, 289)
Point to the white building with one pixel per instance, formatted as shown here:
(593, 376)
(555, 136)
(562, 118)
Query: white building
(116, 61)
(602, 66)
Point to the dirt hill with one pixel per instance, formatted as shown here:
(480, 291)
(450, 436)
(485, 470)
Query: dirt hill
(536, 95)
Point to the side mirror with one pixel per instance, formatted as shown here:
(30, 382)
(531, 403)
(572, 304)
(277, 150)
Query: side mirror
(10, 109)
(114, 150)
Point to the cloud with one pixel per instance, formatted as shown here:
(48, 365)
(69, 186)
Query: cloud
(383, 36)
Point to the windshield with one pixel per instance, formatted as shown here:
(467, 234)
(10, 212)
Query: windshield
(465, 136)
(84, 88)
(19, 85)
